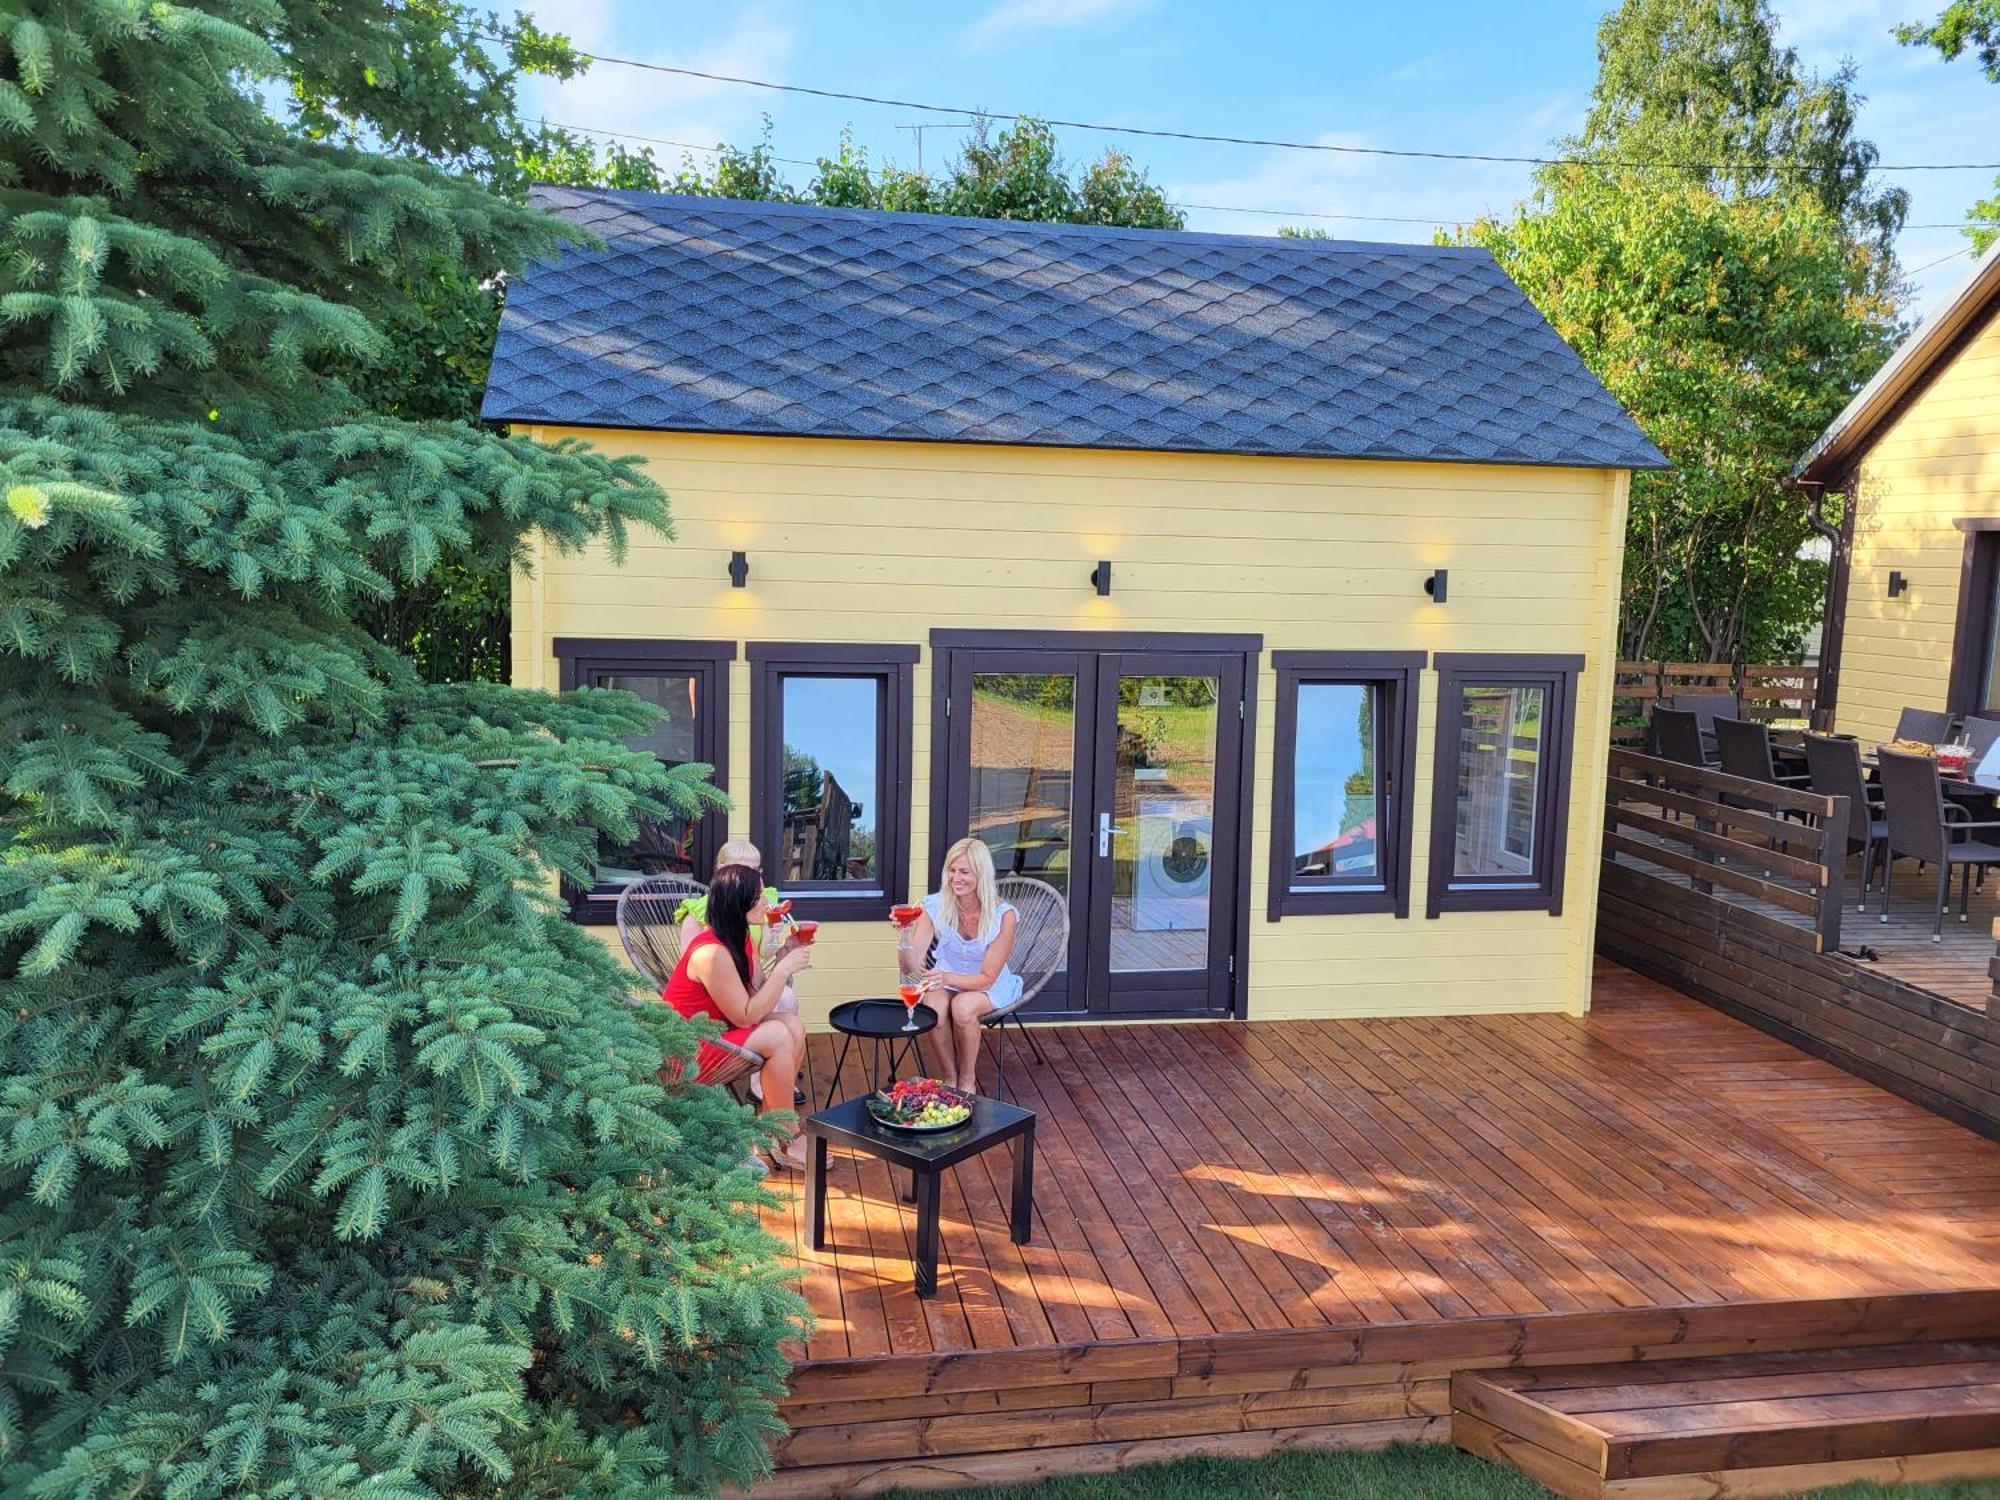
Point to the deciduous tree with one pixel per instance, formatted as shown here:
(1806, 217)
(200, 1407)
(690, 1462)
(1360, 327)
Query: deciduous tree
(1733, 331)
(1716, 249)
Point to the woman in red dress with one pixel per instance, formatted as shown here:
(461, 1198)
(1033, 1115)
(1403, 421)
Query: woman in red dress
(718, 977)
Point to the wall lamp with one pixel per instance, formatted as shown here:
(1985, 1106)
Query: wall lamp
(1898, 584)
(1435, 585)
(739, 569)
(1100, 578)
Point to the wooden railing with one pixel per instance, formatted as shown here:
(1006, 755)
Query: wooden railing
(1778, 855)
(1771, 692)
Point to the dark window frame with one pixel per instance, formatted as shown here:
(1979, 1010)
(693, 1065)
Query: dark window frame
(771, 662)
(1979, 576)
(582, 658)
(1397, 676)
(1558, 675)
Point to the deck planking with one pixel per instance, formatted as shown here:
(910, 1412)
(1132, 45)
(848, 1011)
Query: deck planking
(1213, 1178)
(1252, 1236)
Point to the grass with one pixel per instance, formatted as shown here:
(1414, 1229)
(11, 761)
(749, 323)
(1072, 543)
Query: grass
(1428, 1471)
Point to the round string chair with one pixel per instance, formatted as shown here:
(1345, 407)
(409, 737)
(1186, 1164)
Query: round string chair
(1041, 948)
(651, 937)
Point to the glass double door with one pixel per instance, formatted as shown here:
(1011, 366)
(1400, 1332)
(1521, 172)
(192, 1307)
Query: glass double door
(1117, 778)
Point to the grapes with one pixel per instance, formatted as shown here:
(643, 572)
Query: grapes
(923, 1102)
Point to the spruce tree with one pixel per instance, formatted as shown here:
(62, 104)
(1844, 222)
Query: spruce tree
(332, 1160)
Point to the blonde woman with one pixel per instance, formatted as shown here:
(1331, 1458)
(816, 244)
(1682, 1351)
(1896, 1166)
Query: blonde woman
(968, 978)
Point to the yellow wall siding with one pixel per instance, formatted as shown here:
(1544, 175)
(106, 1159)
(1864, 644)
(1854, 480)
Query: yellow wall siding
(1937, 462)
(882, 542)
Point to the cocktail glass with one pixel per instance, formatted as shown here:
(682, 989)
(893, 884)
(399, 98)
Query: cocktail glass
(911, 994)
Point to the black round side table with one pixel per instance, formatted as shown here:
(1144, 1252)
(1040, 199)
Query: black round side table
(880, 1024)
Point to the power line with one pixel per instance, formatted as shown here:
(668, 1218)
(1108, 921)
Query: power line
(1932, 265)
(1220, 208)
(1241, 140)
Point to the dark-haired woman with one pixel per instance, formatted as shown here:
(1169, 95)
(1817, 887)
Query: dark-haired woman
(718, 977)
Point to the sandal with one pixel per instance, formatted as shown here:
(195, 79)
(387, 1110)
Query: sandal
(785, 1160)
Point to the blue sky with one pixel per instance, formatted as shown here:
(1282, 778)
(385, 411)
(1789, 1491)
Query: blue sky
(1462, 76)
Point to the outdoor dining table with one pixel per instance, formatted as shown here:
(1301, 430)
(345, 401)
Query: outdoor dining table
(1968, 786)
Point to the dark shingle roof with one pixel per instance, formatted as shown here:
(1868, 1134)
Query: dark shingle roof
(708, 315)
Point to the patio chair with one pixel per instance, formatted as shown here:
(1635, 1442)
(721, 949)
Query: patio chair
(1677, 736)
(1982, 734)
(651, 938)
(1924, 726)
(1835, 768)
(1923, 826)
(1707, 708)
(1745, 748)
(1041, 948)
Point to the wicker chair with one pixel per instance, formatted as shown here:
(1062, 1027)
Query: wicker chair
(652, 940)
(1041, 948)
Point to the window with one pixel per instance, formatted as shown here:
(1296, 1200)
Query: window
(689, 681)
(1346, 752)
(830, 774)
(1975, 652)
(1500, 782)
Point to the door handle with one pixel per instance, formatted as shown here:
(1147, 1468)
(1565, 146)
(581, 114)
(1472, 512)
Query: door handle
(1104, 832)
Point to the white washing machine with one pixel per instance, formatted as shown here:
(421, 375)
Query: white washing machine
(1176, 855)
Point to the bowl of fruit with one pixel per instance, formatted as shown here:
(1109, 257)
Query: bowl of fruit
(919, 1104)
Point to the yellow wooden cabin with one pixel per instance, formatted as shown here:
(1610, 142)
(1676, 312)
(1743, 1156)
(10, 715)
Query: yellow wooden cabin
(1913, 616)
(1257, 594)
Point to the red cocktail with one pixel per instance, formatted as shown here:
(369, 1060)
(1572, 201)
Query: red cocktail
(805, 932)
(903, 916)
(911, 994)
(777, 911)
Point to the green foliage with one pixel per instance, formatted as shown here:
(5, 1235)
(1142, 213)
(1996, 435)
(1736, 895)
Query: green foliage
(1733, 331)
(1967, 26)
(1017, 173)
(1732, 298)
(331, 1161)
(1708, 83)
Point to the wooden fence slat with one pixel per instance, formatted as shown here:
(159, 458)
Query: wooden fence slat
(1769, 691)
(1702, 847)
(1757, 793)
(1802, 902)
(1776, 861)
(1766, 829)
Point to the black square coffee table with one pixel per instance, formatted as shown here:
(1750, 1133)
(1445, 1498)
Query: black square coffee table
(924, 1156)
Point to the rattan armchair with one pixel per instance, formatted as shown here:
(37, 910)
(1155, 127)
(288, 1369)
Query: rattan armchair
(651, 936)
(1041, 948)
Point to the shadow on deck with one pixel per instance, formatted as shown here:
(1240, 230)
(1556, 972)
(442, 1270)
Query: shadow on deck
(1250, 1236)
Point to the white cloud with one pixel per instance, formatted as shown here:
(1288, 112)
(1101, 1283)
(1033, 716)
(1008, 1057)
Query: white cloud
(1011, 20)
(754, 43)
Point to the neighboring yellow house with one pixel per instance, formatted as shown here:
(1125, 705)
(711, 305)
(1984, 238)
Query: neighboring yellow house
(1258, 594)
(1914, 603)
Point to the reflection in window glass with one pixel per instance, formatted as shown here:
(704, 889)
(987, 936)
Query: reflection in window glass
(1989, 686)
(1336, 785)
(665, 847)
(1499, 771)
(1023, 752)
(831, 779)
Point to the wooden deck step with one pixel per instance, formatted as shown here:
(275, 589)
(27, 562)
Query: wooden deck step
(1741, 1425)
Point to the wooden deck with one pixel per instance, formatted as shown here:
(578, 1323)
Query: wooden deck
(1956, 967)
(1225, 1209)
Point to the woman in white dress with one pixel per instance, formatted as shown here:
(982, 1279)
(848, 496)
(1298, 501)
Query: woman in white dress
(967, 979)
